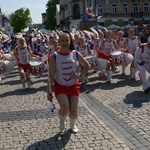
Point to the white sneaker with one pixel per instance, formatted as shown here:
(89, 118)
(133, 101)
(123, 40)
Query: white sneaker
(73, 126)
(62, 124)
(74, 129)
(86, 80)
(23, 84)
(82, 81)
(29, 84)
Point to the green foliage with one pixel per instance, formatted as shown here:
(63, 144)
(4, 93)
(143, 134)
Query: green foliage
(51, 14)
(20, 19)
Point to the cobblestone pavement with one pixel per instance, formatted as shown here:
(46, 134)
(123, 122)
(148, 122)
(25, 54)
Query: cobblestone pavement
(112, 116)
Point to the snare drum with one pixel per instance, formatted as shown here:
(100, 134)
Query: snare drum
(37, 66)
(2, 66)
(118, 57)
(6, 66)
(93, 64)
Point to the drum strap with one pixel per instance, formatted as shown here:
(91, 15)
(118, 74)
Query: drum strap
(142, 47)
(54, 55)
(77, 55)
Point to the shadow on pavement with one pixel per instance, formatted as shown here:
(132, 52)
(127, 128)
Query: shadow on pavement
(24, 92)
(12, 82)
(137, 98)
(102, 84)
(56, 142)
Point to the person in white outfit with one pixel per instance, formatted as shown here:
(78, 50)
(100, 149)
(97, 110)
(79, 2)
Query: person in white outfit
(23, 55)
(62, 70)
(142, 62)
(133, 42)
(107, 47)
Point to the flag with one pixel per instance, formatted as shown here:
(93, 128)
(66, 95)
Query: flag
(89, 11)
(84, 17)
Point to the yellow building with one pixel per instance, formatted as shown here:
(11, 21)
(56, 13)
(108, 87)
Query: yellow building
(119, 12)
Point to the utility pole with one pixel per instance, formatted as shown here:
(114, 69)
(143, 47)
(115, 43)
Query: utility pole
(95, 7)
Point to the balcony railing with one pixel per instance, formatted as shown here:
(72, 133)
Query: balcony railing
(74, 1)
(137, 14)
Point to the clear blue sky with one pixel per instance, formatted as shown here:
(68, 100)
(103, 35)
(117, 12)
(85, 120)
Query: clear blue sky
(36, 7)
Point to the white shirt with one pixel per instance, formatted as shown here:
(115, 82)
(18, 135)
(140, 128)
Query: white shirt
(66, 65)
(23, 55)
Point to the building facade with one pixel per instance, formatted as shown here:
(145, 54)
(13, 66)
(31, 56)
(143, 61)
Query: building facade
(72, 14)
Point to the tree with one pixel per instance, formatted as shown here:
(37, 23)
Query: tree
(51, 14)
(20, 19)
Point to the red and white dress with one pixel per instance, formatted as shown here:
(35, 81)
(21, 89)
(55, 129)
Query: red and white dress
(66, 65)
(23, 58)
(84, 50)
(108, 48)
(132, 45)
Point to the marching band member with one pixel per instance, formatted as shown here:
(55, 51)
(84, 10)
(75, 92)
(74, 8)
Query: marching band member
(63, 67)
(115, 35)
(76, 40)
(133, 42)
(122, 43)
(106, 48)
(56, 46)
(142, 62)
(23, 54)
(85, 50)
(51, 43)
(98, 41)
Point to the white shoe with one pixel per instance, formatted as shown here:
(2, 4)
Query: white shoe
(23, 84)
(82, 81)
(73, 126)
(74, 129)
(29, 84)
(62, 124)
(86, 80)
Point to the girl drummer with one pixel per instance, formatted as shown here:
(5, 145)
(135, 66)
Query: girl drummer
(133, 43)
(23, 55)
(85, 50)
(106, 49)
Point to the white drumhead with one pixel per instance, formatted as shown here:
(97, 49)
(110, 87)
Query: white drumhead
(95, 53)
(9, 66)
(128, 58)
(35, 62)
(88, 57)
(9, 57)
(116, 53)
(102, 64)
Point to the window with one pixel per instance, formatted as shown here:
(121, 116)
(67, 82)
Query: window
(135, 8)
(114, 8)
(75, 1)
(145, 7)
(126, 23)
(115, 23)
(124, 8)
(76, 12)
(100, 9)
(136, 22)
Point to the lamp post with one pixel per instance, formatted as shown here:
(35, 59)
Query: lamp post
(95, 4)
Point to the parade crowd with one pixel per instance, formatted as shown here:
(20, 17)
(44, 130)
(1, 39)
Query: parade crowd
(70, 57)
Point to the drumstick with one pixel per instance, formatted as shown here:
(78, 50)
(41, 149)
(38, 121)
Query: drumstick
(51, 106)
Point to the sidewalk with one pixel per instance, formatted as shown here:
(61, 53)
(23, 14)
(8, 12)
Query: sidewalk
(112, 116)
